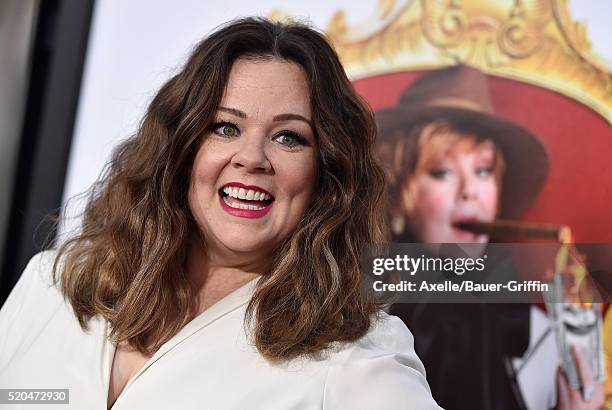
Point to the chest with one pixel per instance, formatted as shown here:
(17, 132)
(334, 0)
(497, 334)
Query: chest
(213, 367)
(126, 363)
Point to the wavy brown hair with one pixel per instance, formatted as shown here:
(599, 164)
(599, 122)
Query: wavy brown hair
(127, 262)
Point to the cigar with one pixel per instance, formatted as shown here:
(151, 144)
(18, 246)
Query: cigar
(519, 230)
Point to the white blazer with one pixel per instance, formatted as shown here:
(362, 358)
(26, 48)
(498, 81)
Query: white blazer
(209, 364)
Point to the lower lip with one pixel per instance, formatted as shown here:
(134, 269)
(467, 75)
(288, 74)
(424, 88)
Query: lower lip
(245, 213)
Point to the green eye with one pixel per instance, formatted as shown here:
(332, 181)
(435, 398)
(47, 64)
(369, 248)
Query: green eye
(225, 129)
(285, 139)
(229, 130)
(484, 172)
(290, 139)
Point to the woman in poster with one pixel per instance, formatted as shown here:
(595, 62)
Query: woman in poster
(451, 160)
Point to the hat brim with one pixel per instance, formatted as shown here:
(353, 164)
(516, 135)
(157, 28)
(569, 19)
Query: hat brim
(526, 158)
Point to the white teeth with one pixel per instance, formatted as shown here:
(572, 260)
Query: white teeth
(249, 195)
(239, 205)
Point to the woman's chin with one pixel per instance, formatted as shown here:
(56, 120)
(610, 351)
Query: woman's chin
(244, 246)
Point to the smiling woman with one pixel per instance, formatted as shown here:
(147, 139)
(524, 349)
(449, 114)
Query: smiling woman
(218, 261)
(260, 143)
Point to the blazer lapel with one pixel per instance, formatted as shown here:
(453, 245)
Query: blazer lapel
(231, 302)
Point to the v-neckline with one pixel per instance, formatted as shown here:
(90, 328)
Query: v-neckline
(222, 307)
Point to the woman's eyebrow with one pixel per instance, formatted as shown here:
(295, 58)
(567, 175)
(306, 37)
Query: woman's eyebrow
(233, 111)
(287, 117)
(279, 117)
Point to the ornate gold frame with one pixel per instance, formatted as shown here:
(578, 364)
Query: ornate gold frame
(534, 41)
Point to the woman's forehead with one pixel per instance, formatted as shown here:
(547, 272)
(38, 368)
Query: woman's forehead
(270, 85)
(451, 143)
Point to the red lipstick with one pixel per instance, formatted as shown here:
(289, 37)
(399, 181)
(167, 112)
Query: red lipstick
(244, 213)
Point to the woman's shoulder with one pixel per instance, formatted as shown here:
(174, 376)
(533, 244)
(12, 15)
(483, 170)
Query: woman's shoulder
(382, 367)
(40, 267)
(30, 305)
(388, 332)
(37, 277)
(36, 282)
(35, 291)
(387, 335)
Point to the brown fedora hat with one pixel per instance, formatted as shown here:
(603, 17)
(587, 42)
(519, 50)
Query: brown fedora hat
(459, 95)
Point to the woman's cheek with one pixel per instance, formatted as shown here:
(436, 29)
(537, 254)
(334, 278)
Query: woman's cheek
(431, 214)
(435, 203)
(489, 199)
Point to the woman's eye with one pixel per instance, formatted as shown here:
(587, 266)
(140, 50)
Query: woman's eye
(225, 129)
(484, 172)
(290, 139)
(439, 173)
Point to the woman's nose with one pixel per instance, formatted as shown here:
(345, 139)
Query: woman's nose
(467, 188)
(251, 154)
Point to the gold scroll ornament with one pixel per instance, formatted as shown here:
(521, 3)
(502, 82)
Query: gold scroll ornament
(532, 41)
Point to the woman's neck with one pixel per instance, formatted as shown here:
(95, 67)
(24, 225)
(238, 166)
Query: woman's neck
(213, 274)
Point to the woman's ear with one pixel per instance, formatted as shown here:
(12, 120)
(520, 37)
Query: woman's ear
(499, 201)
(398, 221)
(402, 210)
(407, 198)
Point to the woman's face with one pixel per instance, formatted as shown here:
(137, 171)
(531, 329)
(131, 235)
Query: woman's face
(459, 186)
(254, 173)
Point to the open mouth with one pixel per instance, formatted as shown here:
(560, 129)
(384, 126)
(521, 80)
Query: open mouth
(463, 222)
(245, 198)
(461, 226)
